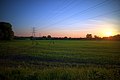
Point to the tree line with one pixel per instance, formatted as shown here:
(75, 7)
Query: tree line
(6, 33)
(88, 37)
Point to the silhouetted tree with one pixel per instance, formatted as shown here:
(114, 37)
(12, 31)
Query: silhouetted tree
(49, 36)
(65, 37)
(44, 37)
(116, 37)
(89, 36)
(96, 37)
(6, 32)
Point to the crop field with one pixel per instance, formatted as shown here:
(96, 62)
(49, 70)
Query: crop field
(59, 60)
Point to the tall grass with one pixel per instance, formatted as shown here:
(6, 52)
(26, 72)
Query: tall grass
(63, 60)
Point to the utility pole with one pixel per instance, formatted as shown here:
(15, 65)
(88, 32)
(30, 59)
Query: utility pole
(39, 35)
(33, 35)
(33, 39)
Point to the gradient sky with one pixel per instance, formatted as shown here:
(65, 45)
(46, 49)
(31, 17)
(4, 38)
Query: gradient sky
(59, 18)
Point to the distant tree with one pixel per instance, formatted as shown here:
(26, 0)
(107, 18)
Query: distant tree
(96, 37)
(44, 37)
(6, 32)
(70, 38)
(116, 37)
(49, 36)
(65, 37)
(89, 36)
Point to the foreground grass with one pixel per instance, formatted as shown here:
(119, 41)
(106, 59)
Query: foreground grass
(63, 60)
(83, 73)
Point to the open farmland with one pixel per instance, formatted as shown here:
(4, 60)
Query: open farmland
(59, 60)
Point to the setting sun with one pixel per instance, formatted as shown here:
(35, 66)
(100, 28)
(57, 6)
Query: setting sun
(108, 29)
(108, 33)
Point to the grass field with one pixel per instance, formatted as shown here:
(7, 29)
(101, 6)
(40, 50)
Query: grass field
(63, 60)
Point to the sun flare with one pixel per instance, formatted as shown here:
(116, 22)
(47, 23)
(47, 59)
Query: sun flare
(108, 33)
(108, 29)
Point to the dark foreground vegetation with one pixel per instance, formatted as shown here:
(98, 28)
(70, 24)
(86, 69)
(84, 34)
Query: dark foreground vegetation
(59, 60)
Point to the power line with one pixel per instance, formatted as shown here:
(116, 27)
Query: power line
(107, 13)
(83, 11)
(61, 9)
(65, 9)
(33, 32)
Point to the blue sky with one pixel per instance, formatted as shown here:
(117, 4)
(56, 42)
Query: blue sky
(72, 18)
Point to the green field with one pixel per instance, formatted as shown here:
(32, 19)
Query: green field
(63, 60)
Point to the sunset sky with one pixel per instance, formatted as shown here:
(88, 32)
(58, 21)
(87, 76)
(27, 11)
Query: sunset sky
(59, 18)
